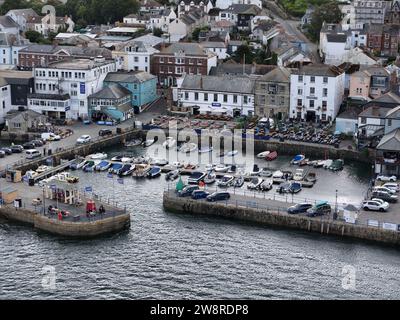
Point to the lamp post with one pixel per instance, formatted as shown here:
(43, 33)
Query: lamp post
(336, 207)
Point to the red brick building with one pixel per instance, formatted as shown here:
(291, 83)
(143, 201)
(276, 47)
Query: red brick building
(384, 39)
(181, 58)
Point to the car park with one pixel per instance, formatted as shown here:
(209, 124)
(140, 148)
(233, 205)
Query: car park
(187, 191)
(375, 205)
(319, 209)
(84, 139)
(218, 196)
(382, 177)
(299, 208)
(199, 194)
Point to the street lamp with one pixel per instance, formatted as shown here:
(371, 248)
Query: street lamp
(336, 207)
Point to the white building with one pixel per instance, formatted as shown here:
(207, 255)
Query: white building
(5, 99)
(224, 4)
(21, 17)
(228, 95)
(62, 88)
(316, 92)
(134, 55)
(10, 44)
(335, 48)
(216, 47)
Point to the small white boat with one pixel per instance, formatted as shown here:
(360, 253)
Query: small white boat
(188, 147)
(327, 163)
(255, 183)
(169, 143)
(265, 172)
(148, 143)
(266, 185)
(239, 181)
(159, 162)
(209, 167)
(98, 156)
(226, 181)
(232, 153)
(206, 150)
(256, 171)
(172, 175)
(134, 143)
(263, 154)
(30, 174)
(221, 168)
(298, 175)
(177, 164)
(42, 169)
(277, 174)
(210, 178)
(319, 163)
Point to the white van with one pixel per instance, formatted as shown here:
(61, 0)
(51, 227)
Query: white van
(32, 154)
(50, 136)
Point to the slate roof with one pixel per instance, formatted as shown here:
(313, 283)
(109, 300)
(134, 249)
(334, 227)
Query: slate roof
(132, 76)
(185, 47)
(390, 141)
(113, 91)
(7, 22)
(278, 74)
(338, 38)
(393, 113)
(319, 70)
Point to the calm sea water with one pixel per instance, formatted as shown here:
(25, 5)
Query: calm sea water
(171, 256)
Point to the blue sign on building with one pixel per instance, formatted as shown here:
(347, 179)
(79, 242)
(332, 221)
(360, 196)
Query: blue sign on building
(216, 104)
(67, 108)
(82, 87)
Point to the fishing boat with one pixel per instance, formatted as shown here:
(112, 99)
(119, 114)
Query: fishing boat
(295, 187)
(210, 178)
(125, 170)
(154, 172)
(277, 174)
(133, 143)
(169, 143)
(265, 172)
(98, 156)
(141, 170)
(196, 177)
(255, 183)
(327, 163)
(297, 159)
(226, 181)
(148, 143)
(206, 150)
(266, 185)
(271, 156)
(263, 155)
(42, 169)
(298, 175)
(221, 168)
(239, 182)
(172, 175)
(311, 177)
(336, 165)
(188, 147)
(115, 167)
(89, 166)
(232, 153)
(103, 165)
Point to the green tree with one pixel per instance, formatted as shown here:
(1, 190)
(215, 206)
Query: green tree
(33, 36)
(157, 32)
(243, 52)
(328, 12)
(196, 32)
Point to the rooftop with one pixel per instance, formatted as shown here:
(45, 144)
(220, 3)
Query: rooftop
(113, 91)
(184, 47)
(319, 70)
(79, 64)
(132, 76)
(390, 141)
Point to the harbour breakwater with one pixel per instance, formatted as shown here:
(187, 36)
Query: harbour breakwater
(276, 217)
(84, 229)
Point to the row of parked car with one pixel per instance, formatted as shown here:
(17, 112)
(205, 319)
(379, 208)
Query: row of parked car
(311, 210)
(381, 196)
(195, 193)
(18, 148)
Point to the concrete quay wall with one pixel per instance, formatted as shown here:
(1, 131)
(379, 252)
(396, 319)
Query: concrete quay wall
(66, 228)
(273, 218)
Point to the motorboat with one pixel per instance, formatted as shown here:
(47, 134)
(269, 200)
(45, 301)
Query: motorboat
(115, 167)
(196, 177)
(297, 159)
(277, 174)
(189, 166)
(154, 172)
(210, 178)
(271, 156)
(226, 181)
(89, 166)
(327, 163)
(42, 169)
(265, 172)
(172, 175)
(304, 162)
(141, 170)
(310, 177)
(283, 188)
(266, 185)
(336, 165)
(295, 187)
(160, 162)
(98, 156)
(255, 183)
(103, 165)
(221, 168)
(287, 175)
(256, 170)
(133, 143)
(206, 150)
(148, 143)
(209, 167)
(188, 147)
(298, 175)
(75, 163)
(30, 174)
(169, 143)
(126, 170)
(81, 164)
(238, 182)
(117, 158)
(263, 155)
(232, 169)
(232, 153)
(319, 163)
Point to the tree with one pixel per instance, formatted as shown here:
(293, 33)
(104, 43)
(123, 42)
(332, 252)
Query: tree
(33, 36)
(243, 52)
(196, 32)
(328, 12)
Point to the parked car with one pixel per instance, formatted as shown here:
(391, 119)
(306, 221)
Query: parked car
(105, 132)
(386, 196)
(199, 194)
(299, 208)
(28, 145)
(375, 205)
(32, 154)
(84, 139)
(38, 142)
(17, 148)
(6, 150)
(187, 191)
(392, 185)
(384, 189)
(382, 177)
(319, 209)
(218, 196)
(50, 136)
(2, 154)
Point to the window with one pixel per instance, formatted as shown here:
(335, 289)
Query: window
(235, 98)
(215, 97)
(299, 91)
(389, 122)
(225, 98)
(196, 96)
(299, 102)
(312, 91)
(186, 95)
(300, 78)
(324, 105)
(325, 92)
(311, 104)
(325, 80)
(206, 97)
(312, 79)
(245, 99)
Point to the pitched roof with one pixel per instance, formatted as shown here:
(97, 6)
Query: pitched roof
(390, 141)
(393, 113)
(218, 83)
(278, 74)
(375, 111)
(132, 76)
(237, 69)
(319, 70)
(388, 97)
(338, 38)
(113, 91)
(7, 22)
(185, 47)
(243, 9)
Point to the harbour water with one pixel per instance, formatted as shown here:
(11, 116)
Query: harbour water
(172, 256)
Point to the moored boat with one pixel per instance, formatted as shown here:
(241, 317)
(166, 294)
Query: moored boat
(206, 150)
(265, 172)
(98, 156)
(221, 168)
(196, 177)
(297, 159)
(188, 147)
(169, 143)
(311, 177)
(336, 165)
(271, 156)
(239, 182)
(148, 143)
(255, 183)
(115, 167)
(277, 174)
(210, 178)
(172, 175)
(263, 155)
(141, 170)
(226, 181)
(266, 185)
(232, 153)
(154, 172)
(133, 143)
(298, 175)
(103, 165)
